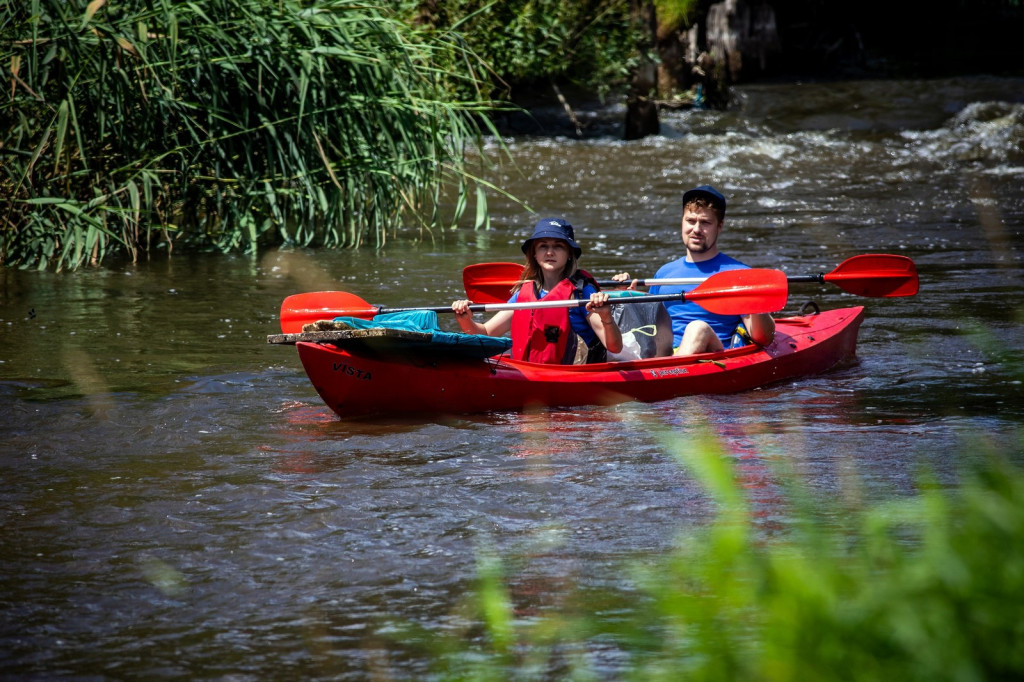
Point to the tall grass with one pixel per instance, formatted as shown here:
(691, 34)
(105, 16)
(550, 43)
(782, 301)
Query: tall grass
(593, 44)
(227, 124)
(929, 587)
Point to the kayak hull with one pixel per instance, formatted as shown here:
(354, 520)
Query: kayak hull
(361, 382)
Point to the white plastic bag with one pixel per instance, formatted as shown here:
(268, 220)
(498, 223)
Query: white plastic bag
(630, 349)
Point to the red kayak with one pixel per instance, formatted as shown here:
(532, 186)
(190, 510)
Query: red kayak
(357, 380)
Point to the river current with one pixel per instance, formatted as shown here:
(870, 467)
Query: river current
(179, 503)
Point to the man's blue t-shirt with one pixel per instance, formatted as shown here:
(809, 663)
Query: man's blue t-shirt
(684, 312)
(577, 315)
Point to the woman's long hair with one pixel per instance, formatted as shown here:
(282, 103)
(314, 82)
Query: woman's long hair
(532, 273)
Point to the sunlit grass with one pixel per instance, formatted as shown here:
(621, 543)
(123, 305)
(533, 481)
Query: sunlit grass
(674, 15)
(532, 44)
(135, 127)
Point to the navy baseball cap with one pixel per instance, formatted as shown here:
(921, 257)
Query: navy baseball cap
(553, 228)
(709, 193)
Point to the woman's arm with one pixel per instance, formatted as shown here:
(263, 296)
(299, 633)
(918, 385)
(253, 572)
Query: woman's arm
(599, 315)
(499, 325)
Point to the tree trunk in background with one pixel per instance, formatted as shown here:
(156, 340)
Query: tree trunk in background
(741, 36)
(734, 42)
(641, 104)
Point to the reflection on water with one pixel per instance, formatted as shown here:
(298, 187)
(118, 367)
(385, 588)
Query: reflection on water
(178, 501)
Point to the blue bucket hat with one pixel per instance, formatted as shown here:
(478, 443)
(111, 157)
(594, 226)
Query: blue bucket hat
(553, 228)
(709, 193)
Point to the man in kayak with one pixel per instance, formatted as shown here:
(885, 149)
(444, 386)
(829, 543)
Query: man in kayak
(696, 330)
(549, 335)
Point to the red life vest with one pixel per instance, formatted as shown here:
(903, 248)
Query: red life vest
(546, 334)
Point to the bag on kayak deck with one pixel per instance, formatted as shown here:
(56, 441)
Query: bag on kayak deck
(638, 324)
(443, 342)
(631, 349)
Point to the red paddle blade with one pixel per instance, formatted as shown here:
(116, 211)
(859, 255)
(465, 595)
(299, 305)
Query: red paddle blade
(490, 282)
(301, 309)
(741, 292)
(877, 275)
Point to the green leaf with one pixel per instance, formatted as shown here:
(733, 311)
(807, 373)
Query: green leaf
(483, 218)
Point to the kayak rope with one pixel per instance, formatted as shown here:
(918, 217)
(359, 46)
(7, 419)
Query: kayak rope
(492, 361)
(646, 330)
(806, 308)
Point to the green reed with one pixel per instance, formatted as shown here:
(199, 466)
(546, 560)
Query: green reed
(927, 587)
(227, 125)
(530, 45)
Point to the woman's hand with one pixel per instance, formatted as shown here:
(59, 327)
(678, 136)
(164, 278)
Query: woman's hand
(598, 303)
(606, 329)
(463, 315)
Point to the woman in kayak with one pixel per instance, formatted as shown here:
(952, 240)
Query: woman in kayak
(549, 335)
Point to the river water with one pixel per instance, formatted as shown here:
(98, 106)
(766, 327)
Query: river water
(179, 503)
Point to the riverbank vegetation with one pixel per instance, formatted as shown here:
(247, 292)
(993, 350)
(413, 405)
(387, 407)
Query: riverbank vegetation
(231, 125)
(926, 587)
(592, 45)
(138, 126)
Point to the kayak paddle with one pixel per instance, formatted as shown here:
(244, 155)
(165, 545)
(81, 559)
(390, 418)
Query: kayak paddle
(873, 275)
(733, 292)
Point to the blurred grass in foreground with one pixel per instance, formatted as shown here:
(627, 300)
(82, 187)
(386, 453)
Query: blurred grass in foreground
(928, 587)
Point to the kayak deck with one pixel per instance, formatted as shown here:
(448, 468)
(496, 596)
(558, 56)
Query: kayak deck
(362, 375)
